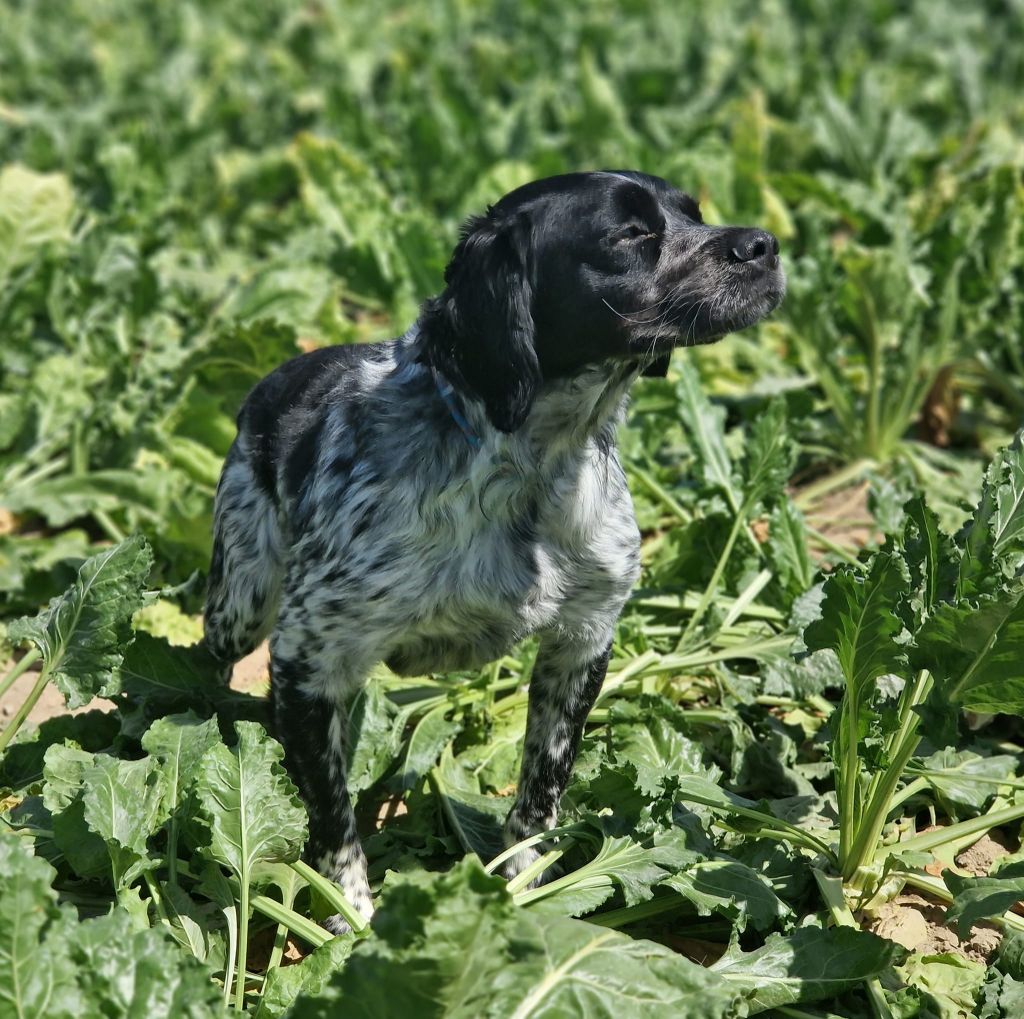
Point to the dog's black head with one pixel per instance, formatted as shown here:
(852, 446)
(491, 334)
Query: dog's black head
(589, 267)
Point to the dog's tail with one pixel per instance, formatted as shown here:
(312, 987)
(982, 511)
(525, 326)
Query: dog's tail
(244, 585)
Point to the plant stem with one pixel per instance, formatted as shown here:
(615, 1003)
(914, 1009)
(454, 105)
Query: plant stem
(789, 832)
(26, 706)
(334, 896)
(528, 843)
(28, 659)
(709, 592)
(952, 833)
(663, 496)
(243, 938)
(307, 929)
(541, 864)
(900, 746)
(838, 479)
(616, 918)
(831, 889)
(158, 900)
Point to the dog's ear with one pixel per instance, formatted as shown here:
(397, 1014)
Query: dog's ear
(658, 368)
(487, 319)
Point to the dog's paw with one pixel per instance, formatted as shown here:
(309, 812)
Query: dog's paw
(336, 925)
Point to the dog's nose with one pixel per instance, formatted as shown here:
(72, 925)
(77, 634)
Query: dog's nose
(756, 246)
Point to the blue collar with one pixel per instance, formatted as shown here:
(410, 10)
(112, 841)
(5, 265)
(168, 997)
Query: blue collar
(447, 391)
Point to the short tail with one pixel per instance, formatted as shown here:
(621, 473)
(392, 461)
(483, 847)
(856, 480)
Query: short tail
(244, 585)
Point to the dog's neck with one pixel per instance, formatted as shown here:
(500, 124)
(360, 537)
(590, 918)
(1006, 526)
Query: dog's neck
(568, 412)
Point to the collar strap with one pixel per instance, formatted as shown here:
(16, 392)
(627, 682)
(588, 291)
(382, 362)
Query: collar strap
(447, 392)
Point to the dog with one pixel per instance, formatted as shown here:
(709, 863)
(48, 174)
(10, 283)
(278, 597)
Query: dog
(432, 500)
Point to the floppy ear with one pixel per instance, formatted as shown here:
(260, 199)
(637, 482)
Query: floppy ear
(658, 368)
(487, 330)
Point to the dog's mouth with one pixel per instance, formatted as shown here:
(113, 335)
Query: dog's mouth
(694, 318)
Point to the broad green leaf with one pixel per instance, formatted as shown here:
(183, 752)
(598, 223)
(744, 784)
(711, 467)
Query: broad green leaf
(465, 952)
(82, 633)
(732, 890)
(811, 675)
(125, 804)
(139, 974)
(976, 651)
(36, 981)
(179, 743)
(252, 809)
(807, 965)
(476, 819)
(658, 752)
(22, 761)
(432, 734)
(35, 212)
(163, 675)
(959, 796)
(623, 862)
(63, 769)
(980, 898)
(860, 622)
(373, 738)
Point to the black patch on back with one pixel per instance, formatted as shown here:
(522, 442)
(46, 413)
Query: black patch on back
(302, 458)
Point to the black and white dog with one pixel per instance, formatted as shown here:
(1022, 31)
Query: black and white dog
(432, 500)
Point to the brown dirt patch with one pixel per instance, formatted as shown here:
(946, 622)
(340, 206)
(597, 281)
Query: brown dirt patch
(918, 924)
(843, 516)
(250, 675)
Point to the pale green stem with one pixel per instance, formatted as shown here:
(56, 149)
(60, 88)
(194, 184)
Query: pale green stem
(528, 843)
(832, 895)
(541, 864)
(930, 840)
(26, 707)
(305, 928)
(243, 939)
(28, 659)
(716, 577)
(333, 895)
(831, 482)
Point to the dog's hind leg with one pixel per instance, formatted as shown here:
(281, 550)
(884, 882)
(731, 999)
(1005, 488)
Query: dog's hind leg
(566, 680)
(315, 686)
(244, 585)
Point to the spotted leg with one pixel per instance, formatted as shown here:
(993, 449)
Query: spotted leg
(566, 679)
(311, 721)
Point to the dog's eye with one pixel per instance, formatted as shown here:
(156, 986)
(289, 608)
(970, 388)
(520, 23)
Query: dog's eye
(635, 232)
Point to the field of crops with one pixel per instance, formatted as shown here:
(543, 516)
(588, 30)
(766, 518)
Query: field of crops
(801, 792)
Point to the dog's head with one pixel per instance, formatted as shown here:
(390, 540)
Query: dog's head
(589, 267)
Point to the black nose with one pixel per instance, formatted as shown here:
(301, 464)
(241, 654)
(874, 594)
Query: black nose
(756, 246)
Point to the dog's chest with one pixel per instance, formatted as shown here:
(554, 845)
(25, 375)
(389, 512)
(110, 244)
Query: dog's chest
(490, 562)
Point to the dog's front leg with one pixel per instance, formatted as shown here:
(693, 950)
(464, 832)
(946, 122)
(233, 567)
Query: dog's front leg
(311, 721)
(566, 679)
